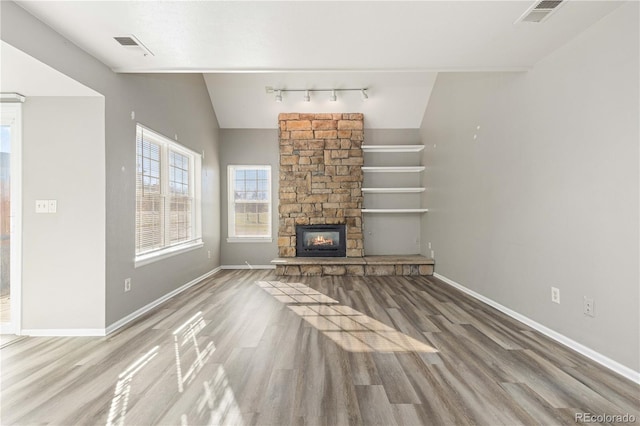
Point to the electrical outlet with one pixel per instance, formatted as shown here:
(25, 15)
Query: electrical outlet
(555, 295)
(53, 206)
(209, 254)
(127, 284)
(429, 246)
(433, 254)
(588, 307)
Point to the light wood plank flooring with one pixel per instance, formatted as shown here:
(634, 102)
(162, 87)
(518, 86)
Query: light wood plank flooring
(5, 309)
(247, 347)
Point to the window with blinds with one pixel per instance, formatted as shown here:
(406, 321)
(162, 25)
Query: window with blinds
(249, 202)
(167, 196)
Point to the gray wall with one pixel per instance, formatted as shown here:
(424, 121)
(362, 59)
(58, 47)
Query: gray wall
(547, 195)
(170, 104)
(63, 252)
(248, 147)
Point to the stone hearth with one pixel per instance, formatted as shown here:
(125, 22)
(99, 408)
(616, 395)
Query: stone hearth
(368, 265)
(320, 176)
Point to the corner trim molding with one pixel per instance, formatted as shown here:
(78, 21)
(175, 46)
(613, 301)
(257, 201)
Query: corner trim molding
(132, 316)
(560, 338)
(248, 266)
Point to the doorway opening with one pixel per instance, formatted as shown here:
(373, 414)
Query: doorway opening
(11, 214)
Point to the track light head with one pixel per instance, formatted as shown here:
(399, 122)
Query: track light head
(307, 92)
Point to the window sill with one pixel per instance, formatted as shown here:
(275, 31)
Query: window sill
(249, 240)
(146, 259)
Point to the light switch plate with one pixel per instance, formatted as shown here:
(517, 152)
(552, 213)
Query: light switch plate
(42, 206)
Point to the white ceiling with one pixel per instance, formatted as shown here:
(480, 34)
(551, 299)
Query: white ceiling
(345, 42)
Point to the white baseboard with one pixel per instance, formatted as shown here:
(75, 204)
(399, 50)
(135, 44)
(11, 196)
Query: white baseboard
(560, 338)
(63, 332)
(132, 316)
(248, 267)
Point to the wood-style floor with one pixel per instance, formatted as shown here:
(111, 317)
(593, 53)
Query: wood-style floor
(247, 347)
(5, 309)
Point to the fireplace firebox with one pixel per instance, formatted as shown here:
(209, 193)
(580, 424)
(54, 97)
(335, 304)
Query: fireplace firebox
(321, 241)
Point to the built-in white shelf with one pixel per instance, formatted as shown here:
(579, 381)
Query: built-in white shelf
(392, 148)
(392, 190)
(395, 210)
(398, 169)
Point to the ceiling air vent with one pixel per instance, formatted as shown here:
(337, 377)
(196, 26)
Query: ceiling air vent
(540, 11)
(131, 41)
(126, 41)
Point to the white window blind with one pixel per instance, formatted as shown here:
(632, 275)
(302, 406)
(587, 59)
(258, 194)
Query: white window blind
(167, 195)
(249, 189)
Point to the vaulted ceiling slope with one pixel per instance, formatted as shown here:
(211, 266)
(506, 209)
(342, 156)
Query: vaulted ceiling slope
(397, 100)
(374, 40)
(28, 76)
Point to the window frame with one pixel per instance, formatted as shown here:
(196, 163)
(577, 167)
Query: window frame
(168, 249)
(231, 203)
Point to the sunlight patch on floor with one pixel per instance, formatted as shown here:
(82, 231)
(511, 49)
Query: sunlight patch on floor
(205, 395)
(120, 400)
(187, 346)
(216, 404)
(350, 329)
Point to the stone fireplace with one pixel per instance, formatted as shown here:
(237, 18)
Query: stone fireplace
(320, 177)
(321, 187)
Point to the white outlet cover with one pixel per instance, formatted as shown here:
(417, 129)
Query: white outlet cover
(589, 307)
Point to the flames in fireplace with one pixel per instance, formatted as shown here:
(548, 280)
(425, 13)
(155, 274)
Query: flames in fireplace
(320, 240)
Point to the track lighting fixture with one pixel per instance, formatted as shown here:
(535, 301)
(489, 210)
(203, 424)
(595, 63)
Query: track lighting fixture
(307, 93)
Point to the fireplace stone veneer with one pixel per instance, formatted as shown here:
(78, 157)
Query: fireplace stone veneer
(320, 176)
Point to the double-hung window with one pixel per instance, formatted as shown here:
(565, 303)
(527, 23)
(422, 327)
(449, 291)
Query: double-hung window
(168, 205)
(249, 189)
